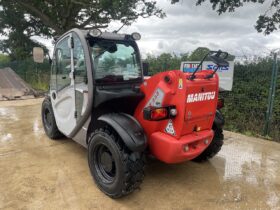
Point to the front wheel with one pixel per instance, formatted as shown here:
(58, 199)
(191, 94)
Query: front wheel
(116, 170)
(48, 120)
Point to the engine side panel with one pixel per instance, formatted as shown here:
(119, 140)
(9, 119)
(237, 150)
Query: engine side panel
(195, 101)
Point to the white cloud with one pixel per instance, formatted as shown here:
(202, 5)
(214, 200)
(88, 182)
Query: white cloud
(187, 27)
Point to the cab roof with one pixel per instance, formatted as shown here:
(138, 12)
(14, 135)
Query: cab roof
(103, 35)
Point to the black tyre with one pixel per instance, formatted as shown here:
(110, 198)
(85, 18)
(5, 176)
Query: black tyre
(116, 170)
(213, 148)
(48, 120)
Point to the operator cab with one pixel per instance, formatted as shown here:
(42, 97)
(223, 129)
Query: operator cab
(117, 70)
(94, 73)
(115, 61)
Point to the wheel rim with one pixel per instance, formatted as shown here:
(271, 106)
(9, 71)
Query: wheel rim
(104, 163)
(47, 118)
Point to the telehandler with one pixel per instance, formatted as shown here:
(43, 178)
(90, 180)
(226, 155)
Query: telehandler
(100, 98)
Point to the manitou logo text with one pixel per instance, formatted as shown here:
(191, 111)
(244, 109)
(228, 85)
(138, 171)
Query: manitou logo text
(195, 97)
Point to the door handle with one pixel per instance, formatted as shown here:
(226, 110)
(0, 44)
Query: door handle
(53, 96)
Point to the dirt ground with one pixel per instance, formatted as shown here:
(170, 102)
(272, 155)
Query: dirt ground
(37, 173)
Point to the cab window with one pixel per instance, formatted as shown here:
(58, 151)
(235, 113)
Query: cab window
(115, 62)
(62, 64)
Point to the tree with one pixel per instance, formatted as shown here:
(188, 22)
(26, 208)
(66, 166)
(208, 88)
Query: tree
(163, 62)
(266, 23)
(198, 54)
(4, 59)
(19, 46)
(49, 18)
(18, 31)
(167, 61)
(184, 56)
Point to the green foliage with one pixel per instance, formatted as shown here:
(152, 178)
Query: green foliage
(198, 54)
(108, 63)
(164, 62)
(4, 59)
(167, 61)
(267, 22)
(19, 46)
(22, 19)
(13, 24)
(246, 105)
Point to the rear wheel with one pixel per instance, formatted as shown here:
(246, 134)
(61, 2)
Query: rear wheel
(213, 148)
(48, 120)
(116, 170)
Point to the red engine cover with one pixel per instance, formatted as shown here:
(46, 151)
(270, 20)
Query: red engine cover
(195, 101)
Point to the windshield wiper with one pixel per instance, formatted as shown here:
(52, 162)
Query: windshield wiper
(111, 78)
(192, 77)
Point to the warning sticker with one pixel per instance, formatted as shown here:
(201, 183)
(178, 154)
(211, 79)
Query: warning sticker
(157, 98)
(170, 129)
(180, 86)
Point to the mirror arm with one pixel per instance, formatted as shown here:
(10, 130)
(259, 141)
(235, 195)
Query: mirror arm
(211, 75)
(192, 77)
(218, 55)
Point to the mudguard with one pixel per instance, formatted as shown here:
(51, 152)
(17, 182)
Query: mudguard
(219, 120)
(128, 129)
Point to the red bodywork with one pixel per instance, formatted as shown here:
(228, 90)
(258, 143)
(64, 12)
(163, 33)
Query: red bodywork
(188, 134)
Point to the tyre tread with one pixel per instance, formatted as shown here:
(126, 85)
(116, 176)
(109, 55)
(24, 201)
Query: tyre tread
(54, 133)
(134, 164)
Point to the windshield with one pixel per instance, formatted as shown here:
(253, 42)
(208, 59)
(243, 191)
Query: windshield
(115, 62)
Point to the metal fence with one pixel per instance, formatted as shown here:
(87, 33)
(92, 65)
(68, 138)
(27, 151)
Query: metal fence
(37, 75)
(247, 104)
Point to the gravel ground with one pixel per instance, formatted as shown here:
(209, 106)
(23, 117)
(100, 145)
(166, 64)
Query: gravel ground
(37, 173)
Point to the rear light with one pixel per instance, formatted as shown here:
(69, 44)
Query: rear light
(159, 113)
(221, 103)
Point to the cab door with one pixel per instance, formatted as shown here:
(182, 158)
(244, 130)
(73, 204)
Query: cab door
(62, 88)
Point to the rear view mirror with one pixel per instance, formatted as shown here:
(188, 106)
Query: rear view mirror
(112, 48)
(145, 68)
(38, 55)
(219, 58)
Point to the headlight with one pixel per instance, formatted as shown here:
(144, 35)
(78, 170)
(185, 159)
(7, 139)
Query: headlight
(95, 32)
(136, 36)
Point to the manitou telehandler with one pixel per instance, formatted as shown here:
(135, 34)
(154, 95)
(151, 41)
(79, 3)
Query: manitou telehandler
(99, 98)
